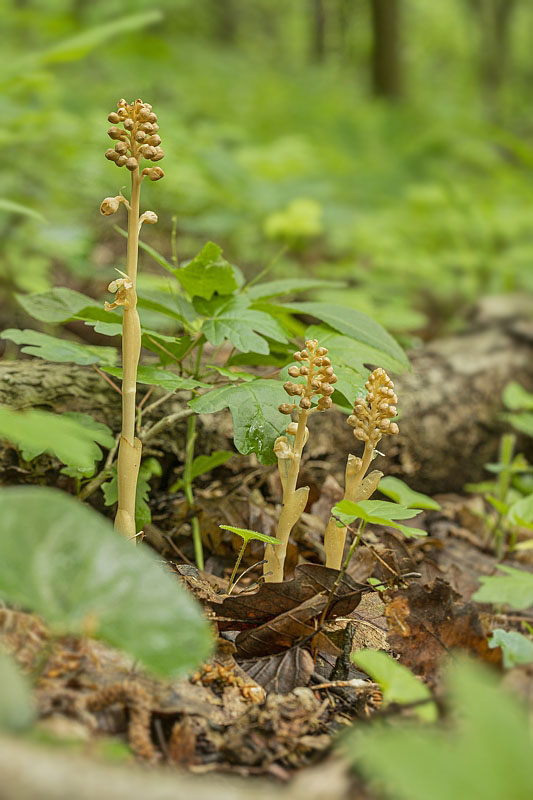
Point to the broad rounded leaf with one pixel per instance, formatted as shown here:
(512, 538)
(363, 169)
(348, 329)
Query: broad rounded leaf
(401, 493)
(514, 588)
(64, 561)
(62, 351)
(516, 648)
(54, 305)
(207, 273)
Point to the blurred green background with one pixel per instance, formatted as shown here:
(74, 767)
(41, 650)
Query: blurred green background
(387, 143)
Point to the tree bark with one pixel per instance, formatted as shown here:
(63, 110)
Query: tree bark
(450, 405)
(386, 49)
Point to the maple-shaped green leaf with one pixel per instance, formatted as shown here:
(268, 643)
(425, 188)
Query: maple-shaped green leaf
(514, 588)
(257, 421)
(241, 326)
(52, 348)
(483, 751)
(207, 273)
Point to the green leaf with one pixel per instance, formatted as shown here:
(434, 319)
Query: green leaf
(203, 464)
(62, 436)
(397, 683)
(485, 754)
(169, 349)
(356, 326)
(289, 286)
(523, 423)
(398, 491)
(515, 588)
(17, 710)
(143, 515)
(171, 305)
(521, 512)
(63, 560)
(378, 512)
(55, 305)
(62, 351)
(12, 207)
(516, 648)
(257, 422)
(155, 376)
(249, 536)
(237, 323)
(99, 433)
(208, 273)
(233, 375)
(516, 398)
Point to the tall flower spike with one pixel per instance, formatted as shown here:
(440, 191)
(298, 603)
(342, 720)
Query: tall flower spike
(315, 367)
(371, 418)
(134, 132)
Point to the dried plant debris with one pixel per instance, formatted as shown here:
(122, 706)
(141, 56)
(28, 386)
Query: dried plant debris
(426, 624)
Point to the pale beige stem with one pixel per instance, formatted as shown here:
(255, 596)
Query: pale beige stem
(129, 455)
(294, 502)
(356, 489)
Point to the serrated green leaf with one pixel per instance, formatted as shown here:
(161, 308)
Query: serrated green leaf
(257, 421)
(398, 491)
(516, 398)
(250, 536)
(483, 752)
(17, 710)
(67, 439)
(289, 286)
(515, 588)
(397, 683)
(356, 326)
(100, 434)
(240, 325)
(156, 376)
(62, 351)
(55, 305)
(63, 560)
(516, 648)
(208, 273)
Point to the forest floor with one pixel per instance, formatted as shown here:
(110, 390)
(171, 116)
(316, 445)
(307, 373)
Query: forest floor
(281, 688)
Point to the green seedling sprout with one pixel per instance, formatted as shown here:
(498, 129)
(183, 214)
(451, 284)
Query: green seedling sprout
(246, 536)
(137, 139)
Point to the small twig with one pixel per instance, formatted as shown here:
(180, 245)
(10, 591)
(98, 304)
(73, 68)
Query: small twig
(107, 379)
(145, 398)
(354, 683)
(176, 549)
(165, 423)
(158, 402)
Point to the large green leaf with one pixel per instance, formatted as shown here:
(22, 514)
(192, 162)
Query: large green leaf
(17, 710)
(64, 561)
(171, 305)
(357, 326)
(515, 588)
(257, 421)
(61, 350)
(485, 754)
(156, 376)
(70, 440)
(99, 433)
(237, 323)
(54, 305)
(207, 273)
(398, 491)
(397, 683)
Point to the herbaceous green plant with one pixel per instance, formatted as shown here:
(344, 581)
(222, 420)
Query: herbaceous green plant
(136, 140)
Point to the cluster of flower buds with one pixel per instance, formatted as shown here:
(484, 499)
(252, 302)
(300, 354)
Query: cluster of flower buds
(371, 417)
(316, 368)
(137, 139)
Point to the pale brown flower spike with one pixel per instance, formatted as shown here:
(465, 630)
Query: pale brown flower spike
(371, 419)
(315, 367)
(136, 140)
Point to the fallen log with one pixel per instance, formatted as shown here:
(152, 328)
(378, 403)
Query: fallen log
(450, 405)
